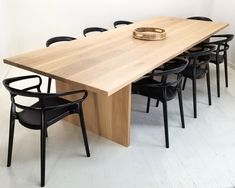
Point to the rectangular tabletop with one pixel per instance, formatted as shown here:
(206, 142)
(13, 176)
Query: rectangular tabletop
(107, 62)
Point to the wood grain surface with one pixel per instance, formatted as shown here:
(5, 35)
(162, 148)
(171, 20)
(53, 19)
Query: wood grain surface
(109, 61)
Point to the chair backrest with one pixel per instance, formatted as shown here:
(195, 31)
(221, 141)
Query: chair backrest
(121, 22)
(93, 29)
(199, 51)
(58, 39)
(172, 68)
(52, 41)
(221, 42)
(202, 18)
(25, 91)
(199, 55)
(43, 98)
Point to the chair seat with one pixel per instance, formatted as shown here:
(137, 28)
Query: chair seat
(32, 118)
(200, 72)
(213, 59)
(153, 92)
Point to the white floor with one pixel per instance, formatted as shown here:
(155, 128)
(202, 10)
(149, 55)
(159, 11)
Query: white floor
(200, 156)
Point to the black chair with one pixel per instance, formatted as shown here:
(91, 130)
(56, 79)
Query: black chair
(93, 29)
(202, 18)
(220, 55)
(48, 109)
(58, 39)
(121, 22)
(52, 41)
(163, 90)
(198, 67)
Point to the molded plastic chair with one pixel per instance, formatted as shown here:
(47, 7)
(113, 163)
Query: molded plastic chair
(58, 39)
(220, 55)
(197, 68)
(121, 22)
(202, 18)
(52, 41)
(163, 90)
(93, 29)
(48, 109)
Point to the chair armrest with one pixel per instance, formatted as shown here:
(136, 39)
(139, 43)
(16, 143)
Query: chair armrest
(223, 38)
(70, 103)
(157, 84)
(72, 93)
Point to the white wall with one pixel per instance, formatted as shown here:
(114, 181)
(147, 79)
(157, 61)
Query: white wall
(4, 36)
(32, 22)
(36, 21)
(3, 21)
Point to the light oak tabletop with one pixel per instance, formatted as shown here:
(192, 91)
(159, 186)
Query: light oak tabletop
(106, 62)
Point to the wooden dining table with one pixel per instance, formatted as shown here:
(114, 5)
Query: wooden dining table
(107, 63)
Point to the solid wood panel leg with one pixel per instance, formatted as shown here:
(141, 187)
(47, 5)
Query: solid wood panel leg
(114, 116)
(108, 116)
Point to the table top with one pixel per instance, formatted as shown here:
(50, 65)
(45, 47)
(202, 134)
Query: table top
(106, 62)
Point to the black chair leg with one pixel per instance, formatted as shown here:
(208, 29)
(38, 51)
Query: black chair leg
(46, 133)
(185, 80)
(49, 85)
(11, 138)
(226, 69)
(164, 103)
(194, 98)
(181, 108)
(148, 104)
(157, 103)
(218, 79)
(43, 152)
(83, 127)
(208, 85)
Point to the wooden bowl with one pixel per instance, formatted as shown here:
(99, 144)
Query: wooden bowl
(149, 33)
